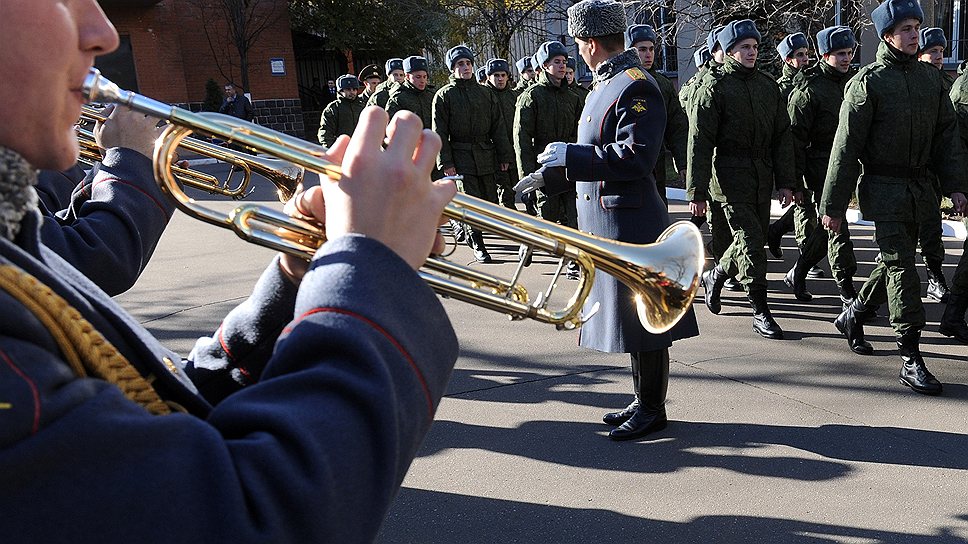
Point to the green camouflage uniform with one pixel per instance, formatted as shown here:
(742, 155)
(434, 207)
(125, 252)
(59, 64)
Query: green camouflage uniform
(796, 218)
(546, 113)
(474, 140)
(739, 151)
(689, 87)
(507, 97)
(339, 117)
(897, 121)
(382, 93)
(814, 108)
(676, 132)
(959, 98)
(407, 97)
(580, 91)
(524, 84)
(785, 82)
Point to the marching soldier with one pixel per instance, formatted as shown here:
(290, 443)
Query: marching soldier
(611, 167)
(739, 119)
(931, 44)
(814, 109)
(953, 320)
(475, 144)
(714, 57)
(413, 94)
(342, 114)
(395, 76)
(498, 73)
(547, 112)
(526, 71)
(898, 122)
(573, 85)
(793, 49)
(370, 77)
(643, 39)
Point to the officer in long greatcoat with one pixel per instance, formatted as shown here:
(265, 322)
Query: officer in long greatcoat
(897, 122)
(611, 166)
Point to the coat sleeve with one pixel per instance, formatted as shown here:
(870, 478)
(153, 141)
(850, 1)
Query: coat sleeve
(114, 222)
(635, 131)
(55, 188)
(499, 132)
(327, 126)
(441, 125)
(802, 116)
(677, 131)
(856, 117)
(313, 452)
(703, 134)
(524, 128)
(784, 170)
(948, 158)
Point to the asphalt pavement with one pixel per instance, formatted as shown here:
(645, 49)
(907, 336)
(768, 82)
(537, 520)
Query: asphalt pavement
(792, 441)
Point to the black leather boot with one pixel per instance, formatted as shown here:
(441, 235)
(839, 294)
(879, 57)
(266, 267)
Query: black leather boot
(524, 254)
(774, 234)
(733, 284)
(953, 320)
(712, 281)
(850, 323)
(847, 291)
(796, 279)
(476, 242)
(763, 323)
(914, 373)
(617, 418)
(937, 286)
(458, 229)
(650, 416)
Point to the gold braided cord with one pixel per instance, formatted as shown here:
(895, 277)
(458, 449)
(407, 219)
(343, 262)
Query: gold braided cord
(84, 348)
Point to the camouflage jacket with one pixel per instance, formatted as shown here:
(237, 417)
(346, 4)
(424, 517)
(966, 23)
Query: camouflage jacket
(468, 118)
(382, 94)
(407, 97)
(785, 82)
(739, 139)
(959, 99)
(897, 122)
(339, 117)
(544, 113)
(814, 108)
(677, 124)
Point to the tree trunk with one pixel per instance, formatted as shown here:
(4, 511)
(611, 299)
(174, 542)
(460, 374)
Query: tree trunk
(348, 53)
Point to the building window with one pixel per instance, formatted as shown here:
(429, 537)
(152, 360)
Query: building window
(953, 17)
(118, 66)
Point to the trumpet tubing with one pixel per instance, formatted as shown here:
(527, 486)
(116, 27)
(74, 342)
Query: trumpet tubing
(663, 276)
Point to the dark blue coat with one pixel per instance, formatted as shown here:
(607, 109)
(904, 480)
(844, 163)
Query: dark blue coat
(312, 449)
(619, 138)
(113, 221)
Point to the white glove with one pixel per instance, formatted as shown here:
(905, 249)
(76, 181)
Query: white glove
(553, 155)
(530, 183)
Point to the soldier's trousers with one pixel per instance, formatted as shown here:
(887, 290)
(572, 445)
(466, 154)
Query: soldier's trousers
(720, 236)
(895, 279)
(745, 258)
(805, 218)
(836, 246)
(959, 283)
(505, 182)
(930, 232)
(561, 208)
(481, 186)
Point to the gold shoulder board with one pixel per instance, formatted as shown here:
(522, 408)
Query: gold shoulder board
(635, 73)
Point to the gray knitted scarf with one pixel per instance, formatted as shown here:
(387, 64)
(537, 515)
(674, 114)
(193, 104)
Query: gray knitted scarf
(17, 194)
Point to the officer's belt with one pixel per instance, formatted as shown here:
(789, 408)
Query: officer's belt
(895, 171)
(747, 153)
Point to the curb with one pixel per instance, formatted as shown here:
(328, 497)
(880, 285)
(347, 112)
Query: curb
(951, 229)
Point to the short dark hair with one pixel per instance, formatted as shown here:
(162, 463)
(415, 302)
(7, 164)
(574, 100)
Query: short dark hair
(612, 42)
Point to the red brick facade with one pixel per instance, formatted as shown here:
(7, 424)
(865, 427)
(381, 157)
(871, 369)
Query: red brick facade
(173, 58)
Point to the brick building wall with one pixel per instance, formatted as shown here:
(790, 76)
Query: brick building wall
(173, 58)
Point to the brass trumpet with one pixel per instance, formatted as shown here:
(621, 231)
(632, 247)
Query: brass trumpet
(284, 176)
(663, 276)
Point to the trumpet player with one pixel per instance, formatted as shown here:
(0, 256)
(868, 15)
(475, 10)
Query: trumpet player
(253, 451)
(619, 135)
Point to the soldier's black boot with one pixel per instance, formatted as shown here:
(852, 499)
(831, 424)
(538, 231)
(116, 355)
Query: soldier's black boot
(774, 234)
(712, 281)
(796, 279)
(847, 291)
(617, 418)
(763, 322)
(650, 416)
(937, 286)
(914, 373)
(850, 323)
(953, 319)
(458, 228)
(524, 254)
(733, 284)
(476, 241)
